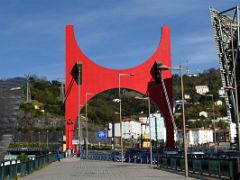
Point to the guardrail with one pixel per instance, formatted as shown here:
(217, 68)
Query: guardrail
(129, 159)
(221, 168)
(14, 168)
(104, 157)
(142, 159)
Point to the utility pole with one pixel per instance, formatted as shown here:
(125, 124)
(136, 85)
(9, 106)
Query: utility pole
(120, 109)
(79, 68)
(62, 93)
(160, 68)
(86, 116)
(149, 125)
(47, 138)
(28, 92)
(113, 139)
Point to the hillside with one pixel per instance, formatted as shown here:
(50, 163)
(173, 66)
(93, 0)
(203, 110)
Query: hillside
(198, 103)
(102, 109)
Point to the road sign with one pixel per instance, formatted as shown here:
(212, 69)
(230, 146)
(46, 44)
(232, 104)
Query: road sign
(102, 134)
(75, 141)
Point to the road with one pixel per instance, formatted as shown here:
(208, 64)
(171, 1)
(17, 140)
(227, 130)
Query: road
(75, 169)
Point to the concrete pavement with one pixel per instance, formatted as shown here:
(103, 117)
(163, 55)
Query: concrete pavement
(75, 169)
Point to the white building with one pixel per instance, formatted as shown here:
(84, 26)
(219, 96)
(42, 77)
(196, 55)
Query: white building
(203, 113)
(202, 89)
(219, 103)
(158, 129)
(193, 75)
(116, 130)
(131, 129)
(144, 126)
(36, 107)
(116, 100)
(187, 96)
(196, 136)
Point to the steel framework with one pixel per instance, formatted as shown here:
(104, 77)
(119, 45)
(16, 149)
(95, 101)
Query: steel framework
(226, 33)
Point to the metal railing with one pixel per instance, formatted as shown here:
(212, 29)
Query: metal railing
(221, 168)
(129, 159)
(15, 168)
(104, 157)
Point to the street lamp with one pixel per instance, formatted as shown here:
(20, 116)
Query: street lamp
(79, 81)
(120, 108)
(47, 138)
(149, 112)
(86, 115)
(161, 68)
(39, 138)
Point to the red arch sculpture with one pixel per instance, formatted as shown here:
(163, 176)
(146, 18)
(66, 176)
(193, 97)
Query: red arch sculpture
(96, 79)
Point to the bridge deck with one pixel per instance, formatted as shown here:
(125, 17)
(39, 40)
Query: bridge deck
(75, 169)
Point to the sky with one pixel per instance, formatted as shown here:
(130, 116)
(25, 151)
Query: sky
(116, 34)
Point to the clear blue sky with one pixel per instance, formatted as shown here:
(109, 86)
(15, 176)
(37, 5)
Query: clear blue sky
(113, 33)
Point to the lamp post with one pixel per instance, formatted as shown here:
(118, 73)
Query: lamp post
(161, 68)
(47, 138)
(149, 113)
(39, 136)
(120, 108)
(79, 81)
(86, 115)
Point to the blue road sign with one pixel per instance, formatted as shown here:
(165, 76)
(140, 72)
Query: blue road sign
(102, 134)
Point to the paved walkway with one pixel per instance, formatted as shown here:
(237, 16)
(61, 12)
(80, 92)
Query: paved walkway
(75, 169)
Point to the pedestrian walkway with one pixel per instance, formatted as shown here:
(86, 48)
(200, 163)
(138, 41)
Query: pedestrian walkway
(75, 169)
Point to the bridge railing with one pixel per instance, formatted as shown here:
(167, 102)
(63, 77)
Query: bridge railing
(110, 157)
(16, 168)
(104, 157)
(221, 168)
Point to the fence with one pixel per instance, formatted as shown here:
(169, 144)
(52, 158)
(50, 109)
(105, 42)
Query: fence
(129, 159)
(14, 168)
(104, 157)
(221, 168)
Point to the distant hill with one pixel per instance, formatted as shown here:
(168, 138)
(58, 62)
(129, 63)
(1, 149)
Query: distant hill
(7, 84)
(210, 78)
(102, 109)
(198, 103)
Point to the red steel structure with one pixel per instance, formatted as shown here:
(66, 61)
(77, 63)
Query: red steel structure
(97, 79)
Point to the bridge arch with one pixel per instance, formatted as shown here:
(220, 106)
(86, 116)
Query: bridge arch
(97, 79)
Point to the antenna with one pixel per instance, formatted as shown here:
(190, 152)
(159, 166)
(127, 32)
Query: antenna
(28, 92)
(62, 92)
(187, 68)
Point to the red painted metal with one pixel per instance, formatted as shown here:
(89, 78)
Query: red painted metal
(96, 79)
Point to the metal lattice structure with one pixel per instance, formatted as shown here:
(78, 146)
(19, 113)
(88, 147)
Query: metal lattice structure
(226, 33)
